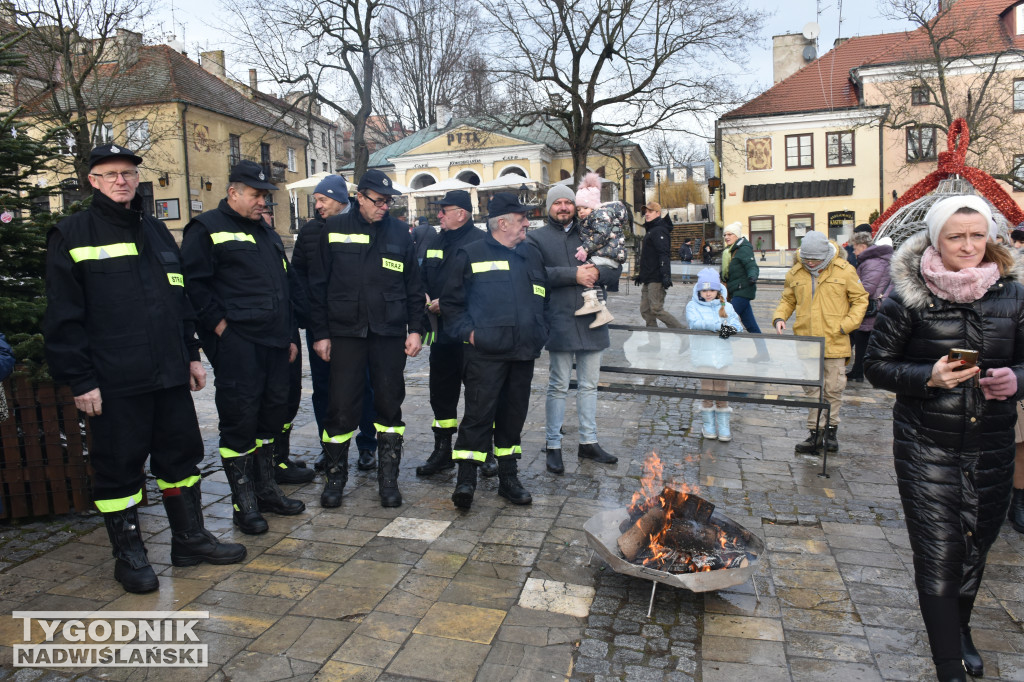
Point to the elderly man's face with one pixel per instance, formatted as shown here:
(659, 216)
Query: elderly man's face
(562, 211)
(116, 178)
(326, 206)
(452, 217)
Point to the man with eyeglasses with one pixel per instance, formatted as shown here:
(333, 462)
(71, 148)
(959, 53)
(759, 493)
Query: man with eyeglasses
(120, 331)
(366, 310)
(455, 213)
(238, 278)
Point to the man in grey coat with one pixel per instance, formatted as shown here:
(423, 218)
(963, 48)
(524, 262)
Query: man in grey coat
(570, 337)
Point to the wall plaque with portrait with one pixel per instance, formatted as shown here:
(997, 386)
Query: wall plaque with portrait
(167, 209)
(759, 153)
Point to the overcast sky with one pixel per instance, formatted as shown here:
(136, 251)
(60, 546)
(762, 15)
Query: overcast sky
(201, 26)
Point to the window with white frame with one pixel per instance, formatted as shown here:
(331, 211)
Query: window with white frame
(103, 133)
(799, 151)
(291, 159)
(1018, 172)
(136, 134)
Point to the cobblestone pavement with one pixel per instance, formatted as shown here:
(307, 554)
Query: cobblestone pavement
(424, 592)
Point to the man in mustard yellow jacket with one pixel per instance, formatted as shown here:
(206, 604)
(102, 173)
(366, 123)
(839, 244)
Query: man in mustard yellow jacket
(826, 294)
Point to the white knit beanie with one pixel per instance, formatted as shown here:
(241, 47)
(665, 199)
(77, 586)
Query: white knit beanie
(735, 229)
(943, 210)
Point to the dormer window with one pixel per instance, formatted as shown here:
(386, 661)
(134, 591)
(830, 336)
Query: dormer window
(1018, 15)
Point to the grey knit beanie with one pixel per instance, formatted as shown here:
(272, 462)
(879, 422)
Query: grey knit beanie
(560, 192)
(814, 246)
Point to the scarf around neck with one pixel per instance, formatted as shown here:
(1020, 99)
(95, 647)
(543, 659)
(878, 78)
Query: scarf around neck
(963, 286)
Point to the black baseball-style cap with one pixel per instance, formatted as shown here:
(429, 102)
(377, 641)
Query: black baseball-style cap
(112, 151)
(504, 203)
(457, 197)
(250, 173)
(378, 182)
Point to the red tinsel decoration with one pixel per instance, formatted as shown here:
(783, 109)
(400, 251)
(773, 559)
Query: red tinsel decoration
(951, 162)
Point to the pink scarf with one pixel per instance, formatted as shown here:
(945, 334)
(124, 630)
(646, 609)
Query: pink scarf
(963, 286)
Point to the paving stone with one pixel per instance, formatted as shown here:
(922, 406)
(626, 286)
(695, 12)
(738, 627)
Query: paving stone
(457, 621)
(439, 658)
(548, 595)
(744, 650)
(414, 529)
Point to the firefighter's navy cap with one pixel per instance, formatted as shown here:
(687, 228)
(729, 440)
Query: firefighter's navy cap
(457, 197)
(378, 182)
(504, 203)
(250, 173)
(112, 151)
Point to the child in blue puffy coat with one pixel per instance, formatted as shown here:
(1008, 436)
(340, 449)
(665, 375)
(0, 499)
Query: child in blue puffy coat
(709, 311)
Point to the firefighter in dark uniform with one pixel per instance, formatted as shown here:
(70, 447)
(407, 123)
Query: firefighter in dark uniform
(457, 230)
(237, 276)
(495, 303)
(120, 331)
(366, 310)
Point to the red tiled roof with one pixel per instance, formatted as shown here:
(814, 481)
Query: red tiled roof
(970, 27)
(975, 27)
(821, 85)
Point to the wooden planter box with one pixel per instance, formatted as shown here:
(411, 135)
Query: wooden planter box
(43, 467)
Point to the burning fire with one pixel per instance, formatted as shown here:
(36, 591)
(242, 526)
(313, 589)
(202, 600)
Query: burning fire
(652, 536)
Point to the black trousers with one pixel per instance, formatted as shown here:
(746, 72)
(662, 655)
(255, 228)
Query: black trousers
(294, 389)
(445, 385)
(161, 425)
(497, 400)
(252, 392)
(350, 357)
(860, 346)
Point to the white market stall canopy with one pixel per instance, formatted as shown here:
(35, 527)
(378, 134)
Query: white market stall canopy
(306, 185)
(437, 188)
(508, 181)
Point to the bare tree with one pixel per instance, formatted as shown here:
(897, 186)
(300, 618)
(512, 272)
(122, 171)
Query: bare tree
(427, 59)
(947, 69)
(329, 49)
(77, 49)
(601, 70)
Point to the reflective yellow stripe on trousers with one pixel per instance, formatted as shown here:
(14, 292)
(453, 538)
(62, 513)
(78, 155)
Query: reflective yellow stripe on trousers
(120, 504)
(469, 455)
(186, 483)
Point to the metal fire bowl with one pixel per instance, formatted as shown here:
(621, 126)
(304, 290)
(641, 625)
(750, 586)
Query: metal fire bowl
(603, 533)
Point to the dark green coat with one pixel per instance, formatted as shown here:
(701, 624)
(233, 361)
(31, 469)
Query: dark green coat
(743, 271)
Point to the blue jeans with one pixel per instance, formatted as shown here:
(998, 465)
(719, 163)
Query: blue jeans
(588, 370)
(742, 306)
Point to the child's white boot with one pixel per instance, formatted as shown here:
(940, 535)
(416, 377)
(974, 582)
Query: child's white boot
(603, 316)
(590, 303)
(709, 430)
(724, 434)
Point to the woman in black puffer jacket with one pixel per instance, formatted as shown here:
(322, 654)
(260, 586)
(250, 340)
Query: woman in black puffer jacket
(954, 287)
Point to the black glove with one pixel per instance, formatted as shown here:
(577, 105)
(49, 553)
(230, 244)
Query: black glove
(666, 283)
(726, 331)
(752, 280)
(636, 280)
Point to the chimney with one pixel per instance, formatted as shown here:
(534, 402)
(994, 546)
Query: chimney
(213, 61)
(838, 41)
(253, 84)
(788, 55)
(444, 116)
(945, 5)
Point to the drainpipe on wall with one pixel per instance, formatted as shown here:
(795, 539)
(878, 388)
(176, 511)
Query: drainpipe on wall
(881, 161)
(188, 181)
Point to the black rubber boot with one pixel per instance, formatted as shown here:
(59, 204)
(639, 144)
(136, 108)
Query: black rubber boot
(132, 567)
(831, 442)
(269, 496)
(191, 543)
(554, 463)
(246, 514)
(811, 445)
(441, 458)
(336, 474)
(465, 485)
(489, 469)
(367, 461)
(509, 486)
(389, 457)
(285, 470)
(595, 452)
(971, 657)
(1017, 510)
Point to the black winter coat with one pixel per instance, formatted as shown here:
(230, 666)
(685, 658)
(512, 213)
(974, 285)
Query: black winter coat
(953, 449)
(656, 253)
(117, 316)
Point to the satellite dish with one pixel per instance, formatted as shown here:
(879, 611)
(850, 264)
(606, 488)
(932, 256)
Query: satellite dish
(811, 30)
(810, 54)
